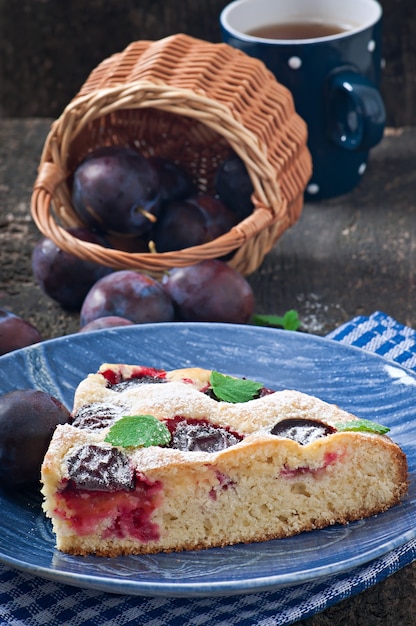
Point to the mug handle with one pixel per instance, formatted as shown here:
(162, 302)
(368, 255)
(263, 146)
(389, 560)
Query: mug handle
(356, 116)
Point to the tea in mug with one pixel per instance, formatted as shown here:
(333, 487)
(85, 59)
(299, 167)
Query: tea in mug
(297, 30)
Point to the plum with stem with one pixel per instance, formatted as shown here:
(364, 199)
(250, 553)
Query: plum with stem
(116, 190)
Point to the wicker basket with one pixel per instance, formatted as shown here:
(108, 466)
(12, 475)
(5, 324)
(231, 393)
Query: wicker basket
(193, 102)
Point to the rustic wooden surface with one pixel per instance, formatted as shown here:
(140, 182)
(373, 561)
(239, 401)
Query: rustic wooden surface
(47, 48)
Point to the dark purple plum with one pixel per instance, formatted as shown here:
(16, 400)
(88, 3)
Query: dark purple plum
(179, 226)
(202, 437)
(303, 431)
(233, 185)
(15, 332)
(175, 182)
(111, 321)
(116, 190)
(65, 277)
(210, 291)
(99, 469)
(127, 294)
(96, 415)
(191, 222)
(28, 418)
(129, 243)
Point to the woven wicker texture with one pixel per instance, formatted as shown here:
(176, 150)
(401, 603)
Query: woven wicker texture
(193, 102)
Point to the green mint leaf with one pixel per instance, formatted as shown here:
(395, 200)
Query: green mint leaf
(138, 431)
(362, 425)
(289, 321)
(233, 390)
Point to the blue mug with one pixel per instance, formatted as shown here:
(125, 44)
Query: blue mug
(328, 54)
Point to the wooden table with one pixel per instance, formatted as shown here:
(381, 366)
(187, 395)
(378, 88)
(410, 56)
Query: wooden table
(345, 257)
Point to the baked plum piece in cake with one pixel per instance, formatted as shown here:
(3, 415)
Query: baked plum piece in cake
(157, 460)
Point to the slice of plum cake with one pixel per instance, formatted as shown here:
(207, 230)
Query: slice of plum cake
(157, 460)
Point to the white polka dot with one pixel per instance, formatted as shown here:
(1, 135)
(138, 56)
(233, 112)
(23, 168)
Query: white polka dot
(371, 46)
(362, 168)
(294, 63)
(313, 188)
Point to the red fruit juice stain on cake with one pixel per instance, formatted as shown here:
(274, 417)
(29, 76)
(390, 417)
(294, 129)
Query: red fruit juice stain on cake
(224, 483)
(125, 513)
(330, 458)
(115, 377)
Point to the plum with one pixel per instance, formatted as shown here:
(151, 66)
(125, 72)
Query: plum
(191, 222)
(175, 183)
(28, 418)
(116, 190)
(110, 321)
(129, 294)
(210, 291)
(234, 187)
(202, 436)
(65, 277)
(98, 468)
(15, 332)
(96, 415)
(302, 430)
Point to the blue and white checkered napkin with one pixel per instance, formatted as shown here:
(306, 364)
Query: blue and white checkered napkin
(26, 600)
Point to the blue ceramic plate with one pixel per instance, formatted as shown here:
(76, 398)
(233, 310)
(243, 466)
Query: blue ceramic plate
(357, 381)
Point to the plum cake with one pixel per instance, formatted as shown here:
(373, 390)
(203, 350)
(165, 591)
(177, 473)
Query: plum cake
(155, 460)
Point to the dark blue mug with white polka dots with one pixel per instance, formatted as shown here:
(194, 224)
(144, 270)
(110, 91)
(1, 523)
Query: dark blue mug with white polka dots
(328, 54)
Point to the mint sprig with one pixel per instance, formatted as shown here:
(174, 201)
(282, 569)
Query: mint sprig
(138, 431)
(362, 425)
(234, 390)
(289, 321)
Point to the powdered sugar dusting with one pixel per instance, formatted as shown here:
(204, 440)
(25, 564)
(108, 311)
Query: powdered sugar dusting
(183, 399)
(253, 419)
